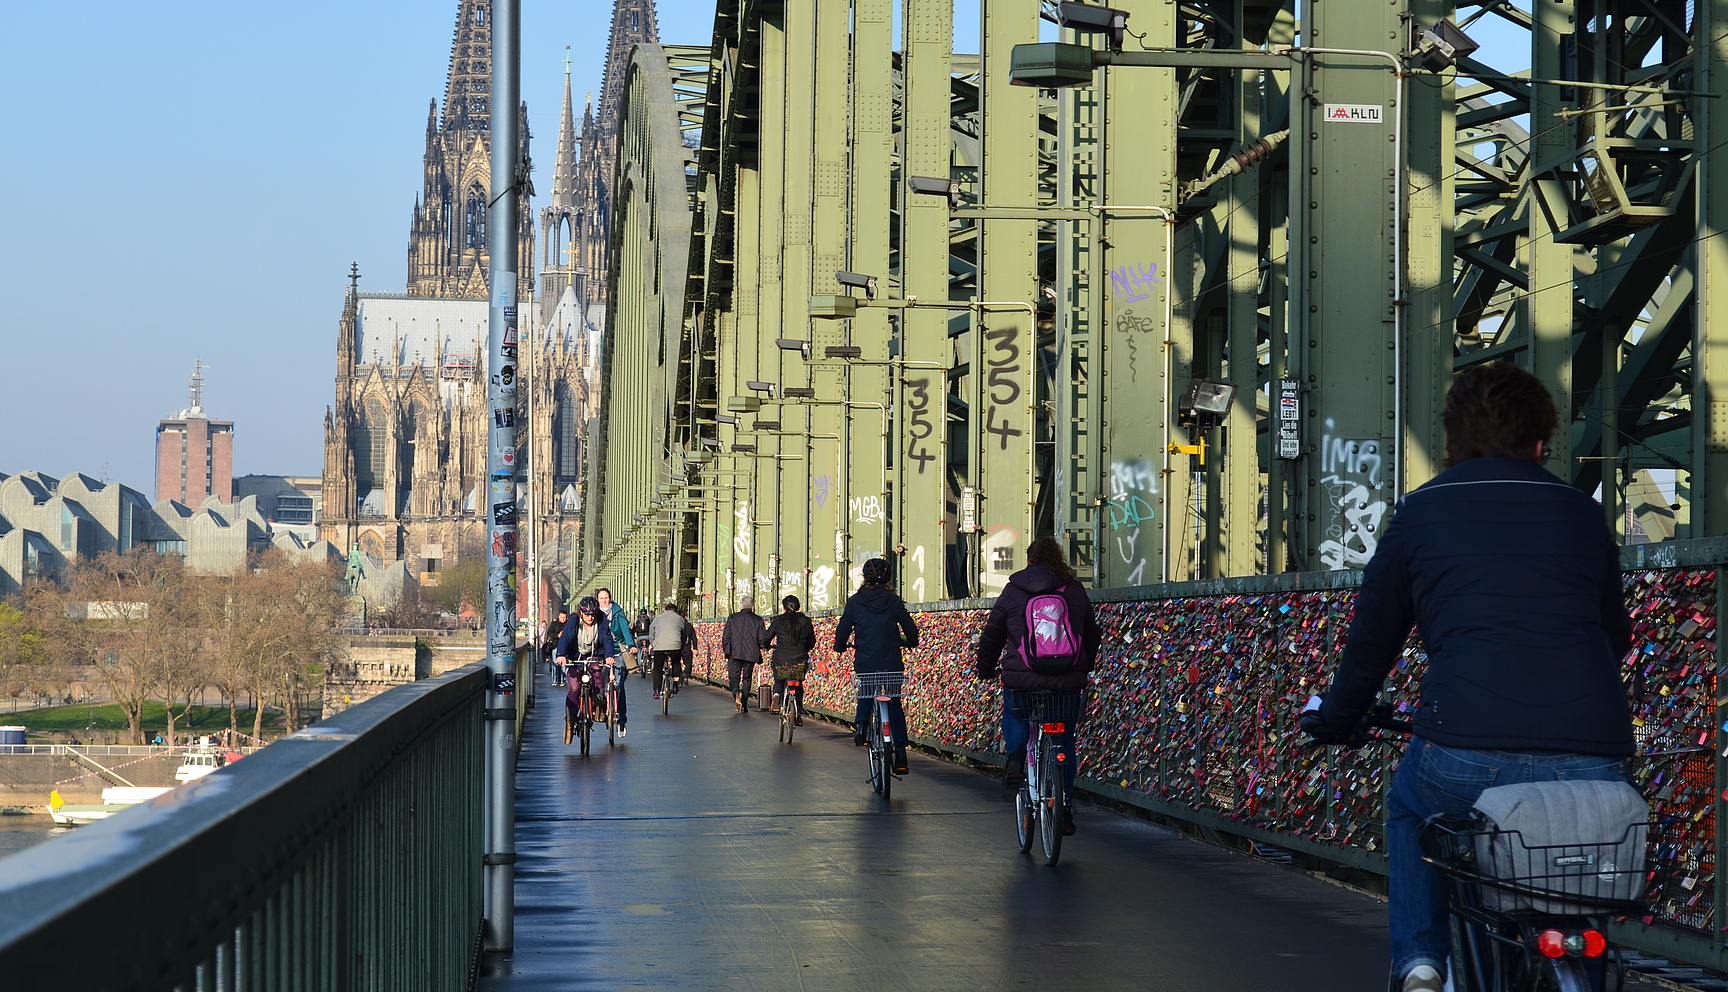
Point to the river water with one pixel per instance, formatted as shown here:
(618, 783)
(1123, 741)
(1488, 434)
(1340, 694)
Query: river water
(18, 833)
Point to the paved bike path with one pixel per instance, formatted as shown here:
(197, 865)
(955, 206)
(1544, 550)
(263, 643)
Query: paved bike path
(701, 853)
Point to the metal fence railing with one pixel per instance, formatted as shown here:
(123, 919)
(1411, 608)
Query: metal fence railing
(346, 856)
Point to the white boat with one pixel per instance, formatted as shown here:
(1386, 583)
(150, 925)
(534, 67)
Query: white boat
(197, 765)
(114, 799)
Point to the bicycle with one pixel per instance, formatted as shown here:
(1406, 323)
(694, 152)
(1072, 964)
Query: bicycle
(791, 710)
(590, 708)
(665, 670)
(1528, 917)
(883, 688)
(1042, 808)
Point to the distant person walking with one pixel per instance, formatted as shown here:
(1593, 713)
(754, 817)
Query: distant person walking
(548, 647)
(690, 645)
(741, 643)
(876, 619)
(793, 637)
(665, 641)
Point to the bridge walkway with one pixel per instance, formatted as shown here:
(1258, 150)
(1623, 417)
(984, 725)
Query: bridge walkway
(700, 853)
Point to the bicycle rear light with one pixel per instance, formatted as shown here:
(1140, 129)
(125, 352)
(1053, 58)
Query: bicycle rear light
(1595, 945)
(1552, 944)
(1055, 728)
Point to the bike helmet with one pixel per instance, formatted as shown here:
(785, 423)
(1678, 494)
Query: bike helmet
(589, 605)
(876, 571)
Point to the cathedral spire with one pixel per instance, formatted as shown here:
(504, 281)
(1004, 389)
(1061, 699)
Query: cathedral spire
(468, 88)
(564, 176)
(633, 23)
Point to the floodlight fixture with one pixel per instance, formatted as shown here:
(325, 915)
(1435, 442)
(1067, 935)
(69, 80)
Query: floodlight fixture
(765, 425)
(1442, 46)
(798, 393)
(1206, 404)
(935, 186)
(1087, 18)
(1050, 65)
(846, 351)
(747, 449)
(743, 404)
(857, 280)
(760, 387)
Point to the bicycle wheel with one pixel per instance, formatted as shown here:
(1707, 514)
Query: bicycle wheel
(611, 717)
(585, 722)
(1562, 975)
(885, 736)
(1049, 803)
(665, 693)
(1025, 819)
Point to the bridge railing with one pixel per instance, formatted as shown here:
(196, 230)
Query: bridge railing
(1191, 716)
(346, 856)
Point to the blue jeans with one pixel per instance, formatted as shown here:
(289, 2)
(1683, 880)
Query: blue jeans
(1434, 779)
(1017, 731)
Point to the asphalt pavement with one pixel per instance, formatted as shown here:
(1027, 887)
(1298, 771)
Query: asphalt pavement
(701, 853)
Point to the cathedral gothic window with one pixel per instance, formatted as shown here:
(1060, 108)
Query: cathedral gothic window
(476, 226)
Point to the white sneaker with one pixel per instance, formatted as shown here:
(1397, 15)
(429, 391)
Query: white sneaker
(622, 732)
(1423, 978)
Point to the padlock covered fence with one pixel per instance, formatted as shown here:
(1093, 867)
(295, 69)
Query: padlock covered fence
(1191, 716)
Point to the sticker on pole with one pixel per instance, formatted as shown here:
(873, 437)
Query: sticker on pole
(504, 682)
(1354, 113)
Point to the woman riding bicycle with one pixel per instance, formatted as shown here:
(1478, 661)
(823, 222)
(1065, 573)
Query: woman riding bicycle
(1046, 573)
(586, 642)
(793, 637)
(1514, 582)
(877, 620)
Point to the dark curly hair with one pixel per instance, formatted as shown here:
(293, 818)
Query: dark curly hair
(1497, 411)
(1047, 551)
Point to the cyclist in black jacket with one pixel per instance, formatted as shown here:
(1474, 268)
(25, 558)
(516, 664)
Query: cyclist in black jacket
(1513, 580)
(876, 619)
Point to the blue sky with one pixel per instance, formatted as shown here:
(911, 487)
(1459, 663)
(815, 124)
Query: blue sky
(192, 181)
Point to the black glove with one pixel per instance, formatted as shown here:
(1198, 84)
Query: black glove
(1322, 732)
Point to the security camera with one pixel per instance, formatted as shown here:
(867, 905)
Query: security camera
(1089, 19)
(858, 280)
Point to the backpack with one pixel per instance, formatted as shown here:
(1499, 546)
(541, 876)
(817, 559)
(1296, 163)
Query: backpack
(1050, 647)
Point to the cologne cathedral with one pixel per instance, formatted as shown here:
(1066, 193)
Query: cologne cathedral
(405, 441)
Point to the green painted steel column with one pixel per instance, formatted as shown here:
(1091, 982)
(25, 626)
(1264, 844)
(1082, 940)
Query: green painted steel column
(1548, 315)
(1242, 482)
(1150, 343)
(999, 387)
(869, 531)
(1345, 281)
(1080, 339)
(775, 309)
(1430, 184)
(796, 204)
(1708, 482)
(829, 232)
(922, 457)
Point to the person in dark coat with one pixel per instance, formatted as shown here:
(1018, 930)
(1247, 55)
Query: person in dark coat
(689, 650)
(1513, 579)
(793, 637)
(548, 647)
(587, 642)
(741, 643)
(999, 648)
(876, 622)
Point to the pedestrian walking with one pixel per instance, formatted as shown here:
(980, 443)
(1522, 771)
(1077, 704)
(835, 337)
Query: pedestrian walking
(690, 645)
(793, 637)
(548, 647)
(741, 643)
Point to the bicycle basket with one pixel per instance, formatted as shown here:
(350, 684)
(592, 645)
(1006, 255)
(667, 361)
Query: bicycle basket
(873, 684)
(1565, 848)
(1048, 706)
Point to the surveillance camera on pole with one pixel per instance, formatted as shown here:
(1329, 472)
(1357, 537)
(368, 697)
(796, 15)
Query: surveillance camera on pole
(1090, 19)
(857, 280)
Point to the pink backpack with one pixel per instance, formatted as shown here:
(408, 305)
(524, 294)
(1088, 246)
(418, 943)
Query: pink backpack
(1051, 646)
